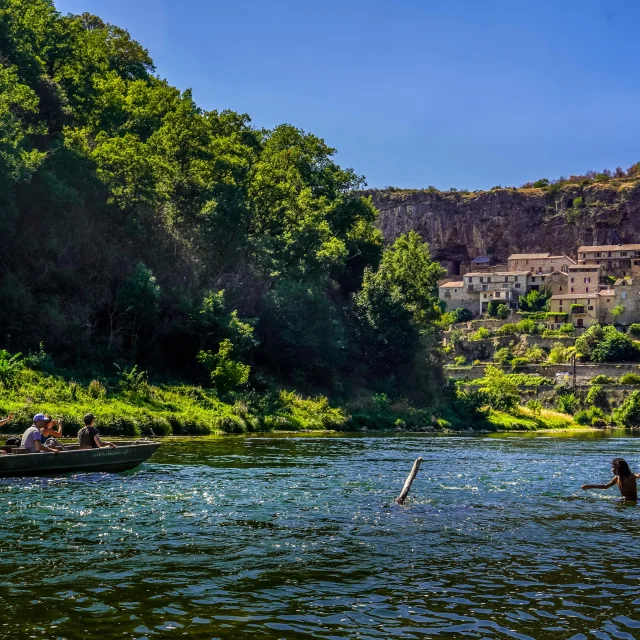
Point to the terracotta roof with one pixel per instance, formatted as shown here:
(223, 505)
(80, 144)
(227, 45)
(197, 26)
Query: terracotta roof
(607, 292)
(450, 285)
(609, 247)
(575, 296)
(528, 256)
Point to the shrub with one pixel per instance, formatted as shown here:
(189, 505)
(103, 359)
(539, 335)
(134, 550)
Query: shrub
(582, 417)
(566, 403)
(97, 390)
(456, 337)
(596, 396)
(10, 367)
(133, 380)
(518, 362)
(535, 354)
(460, 315)
(40, 361)
(503, 312)
(460, 360)
(602, 379)
(226, 374)
(630, 378)
(628, 415)
(634, 330)
(499, 389)
(606, 344)
(481, 334)
(508, 329)
(535, 406)
(558, 353)
(504, 355)
(381, 402)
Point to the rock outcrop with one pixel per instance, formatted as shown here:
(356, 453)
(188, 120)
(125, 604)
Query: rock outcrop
(460, 226)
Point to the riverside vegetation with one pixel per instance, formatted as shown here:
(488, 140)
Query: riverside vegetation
(240, 267)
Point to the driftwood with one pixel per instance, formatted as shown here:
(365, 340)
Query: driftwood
(407, 485)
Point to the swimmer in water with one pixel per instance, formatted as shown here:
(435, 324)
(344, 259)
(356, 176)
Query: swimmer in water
(623, 477)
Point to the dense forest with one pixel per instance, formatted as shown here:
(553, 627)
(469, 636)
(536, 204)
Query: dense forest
(139, 228)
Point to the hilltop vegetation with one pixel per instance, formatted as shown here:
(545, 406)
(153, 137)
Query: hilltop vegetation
(139, 228)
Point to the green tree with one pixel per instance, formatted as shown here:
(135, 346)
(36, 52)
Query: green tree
(226, 374)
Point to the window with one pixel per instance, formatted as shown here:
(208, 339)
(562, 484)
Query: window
(455, 291)
(571, 279)
(560, 287)
(506, 279)
(587, 290)
(571, 289)
(517, 285)
(624, 254)
(609, 254)
(485, 287)
(526, 262)
(624, 295)
(587, 280)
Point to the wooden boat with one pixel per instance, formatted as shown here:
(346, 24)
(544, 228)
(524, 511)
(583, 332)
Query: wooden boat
(127, 455)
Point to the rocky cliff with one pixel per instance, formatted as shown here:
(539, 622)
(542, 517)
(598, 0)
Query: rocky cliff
(557, 218)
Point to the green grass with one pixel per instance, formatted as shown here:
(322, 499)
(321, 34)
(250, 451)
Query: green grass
(165, 409)
(522, 419)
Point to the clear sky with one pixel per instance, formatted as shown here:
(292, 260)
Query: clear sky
(412, 93)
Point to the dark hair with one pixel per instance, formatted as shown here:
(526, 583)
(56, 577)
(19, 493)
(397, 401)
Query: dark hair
(88, 419)
(620, 467)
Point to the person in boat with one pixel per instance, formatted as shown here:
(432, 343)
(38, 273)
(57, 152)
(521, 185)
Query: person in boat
(623, 477)
(32, 438)
(52, 431)
(89, 436)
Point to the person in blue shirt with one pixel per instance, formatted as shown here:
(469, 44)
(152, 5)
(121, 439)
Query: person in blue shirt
(32, 437)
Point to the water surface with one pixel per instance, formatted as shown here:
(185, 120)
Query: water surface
(298, 537)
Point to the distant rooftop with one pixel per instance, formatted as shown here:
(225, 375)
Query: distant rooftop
(528, 256)
(610, 247)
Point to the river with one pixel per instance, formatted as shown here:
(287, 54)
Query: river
(298, 537)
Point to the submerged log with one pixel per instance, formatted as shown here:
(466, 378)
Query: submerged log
(408, 482)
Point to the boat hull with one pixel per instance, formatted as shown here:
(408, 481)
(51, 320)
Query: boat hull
(123, 458)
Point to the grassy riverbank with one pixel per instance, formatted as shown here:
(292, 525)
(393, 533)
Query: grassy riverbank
(136, 408)
(181, 409)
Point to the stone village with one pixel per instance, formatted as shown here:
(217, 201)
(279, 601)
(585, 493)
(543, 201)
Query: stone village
(602, 285)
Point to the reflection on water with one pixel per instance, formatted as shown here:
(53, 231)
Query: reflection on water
(299, 538)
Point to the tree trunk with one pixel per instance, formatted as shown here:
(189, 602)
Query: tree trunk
(407, 485)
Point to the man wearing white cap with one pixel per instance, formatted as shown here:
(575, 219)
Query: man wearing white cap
(32, 437)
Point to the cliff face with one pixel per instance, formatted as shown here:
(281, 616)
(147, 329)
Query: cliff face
(460, 226)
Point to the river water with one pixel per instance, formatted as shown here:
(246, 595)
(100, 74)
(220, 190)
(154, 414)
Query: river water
(298, 537)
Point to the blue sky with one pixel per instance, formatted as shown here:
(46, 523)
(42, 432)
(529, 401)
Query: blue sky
(412, 93)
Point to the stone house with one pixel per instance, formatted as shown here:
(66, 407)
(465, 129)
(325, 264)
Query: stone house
(615, 259)
(583, 278)
(626, 295)
(538, 263)
(456, 296)
(556, 282)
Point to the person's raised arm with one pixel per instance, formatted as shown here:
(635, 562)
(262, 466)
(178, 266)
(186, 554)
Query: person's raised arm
(601, 486)
(57, 432)
(9, 418)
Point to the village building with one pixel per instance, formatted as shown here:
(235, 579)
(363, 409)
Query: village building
(539, 262)
(615, 259)
(582, 309)
(455, 295)
(555, 282)
(583, 278)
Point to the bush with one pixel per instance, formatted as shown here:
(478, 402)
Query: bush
(504, 355)
(596, 396)
(456, 337)
(460, 315)
(628, 415)
(503, 312)
(602, 379)
(606, 344)
(634, 330)
(10, 367)
(499, 389)
(566, 403)
(582, 417)
(559, 353)
(481, 334)
(518, 362)
(492, 308)
(629, 378)
(535, 354)
(535, 406)
(226, 374)
(508, 329)
(460, 360)
(97, 390)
